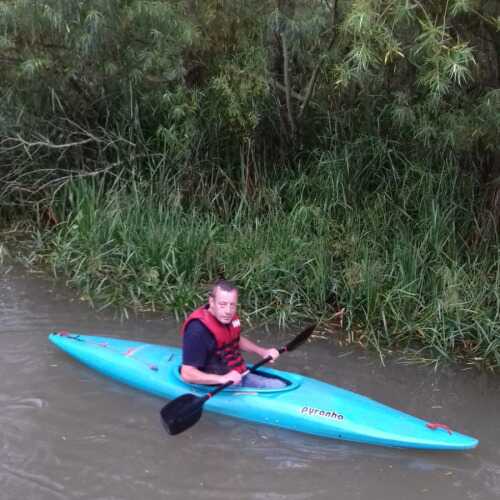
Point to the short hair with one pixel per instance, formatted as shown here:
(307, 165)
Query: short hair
(223, 284)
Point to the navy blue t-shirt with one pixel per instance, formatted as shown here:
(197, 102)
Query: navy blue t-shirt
(198, 344)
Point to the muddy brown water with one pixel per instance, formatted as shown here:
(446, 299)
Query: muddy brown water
(68, 433)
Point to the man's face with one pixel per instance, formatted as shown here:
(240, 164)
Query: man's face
(223, 305)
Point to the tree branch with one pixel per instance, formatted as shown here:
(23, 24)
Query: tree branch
(286, 78)
(315, 73)
(293, 94)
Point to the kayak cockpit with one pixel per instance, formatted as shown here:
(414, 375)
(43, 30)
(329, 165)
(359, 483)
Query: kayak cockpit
(292, 380)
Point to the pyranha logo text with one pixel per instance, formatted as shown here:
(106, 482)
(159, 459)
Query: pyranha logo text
(316, 412)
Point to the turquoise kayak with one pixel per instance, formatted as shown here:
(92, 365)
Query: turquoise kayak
(305, 404)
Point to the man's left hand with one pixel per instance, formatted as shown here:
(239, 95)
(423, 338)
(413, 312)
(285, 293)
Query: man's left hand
(273, 353)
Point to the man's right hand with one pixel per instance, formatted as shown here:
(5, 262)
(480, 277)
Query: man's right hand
(233, 376)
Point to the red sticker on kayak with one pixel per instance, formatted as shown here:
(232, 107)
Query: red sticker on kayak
(316, 412)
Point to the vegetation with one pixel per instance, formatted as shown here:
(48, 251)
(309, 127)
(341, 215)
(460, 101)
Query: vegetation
(325, 154)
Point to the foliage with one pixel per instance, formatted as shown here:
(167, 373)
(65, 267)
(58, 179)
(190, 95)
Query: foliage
(194, 79)
(398, 263)
(302, 147)
(141, 248)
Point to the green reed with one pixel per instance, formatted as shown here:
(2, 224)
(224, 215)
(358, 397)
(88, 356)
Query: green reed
(388, 242)
(148, 250)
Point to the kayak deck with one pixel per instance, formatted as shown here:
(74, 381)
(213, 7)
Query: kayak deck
(304, 405)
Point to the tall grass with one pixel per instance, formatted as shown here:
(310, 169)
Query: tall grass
(386, 241)
(144, 248)
(408, 277)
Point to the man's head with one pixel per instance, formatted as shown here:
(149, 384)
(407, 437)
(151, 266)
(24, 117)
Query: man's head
(223, 301)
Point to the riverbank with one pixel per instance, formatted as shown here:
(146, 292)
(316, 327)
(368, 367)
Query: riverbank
(395, 261)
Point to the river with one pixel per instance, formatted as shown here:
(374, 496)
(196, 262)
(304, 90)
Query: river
(68, 433)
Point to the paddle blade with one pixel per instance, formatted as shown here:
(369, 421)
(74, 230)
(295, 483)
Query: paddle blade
(181, 413)
(300, 338)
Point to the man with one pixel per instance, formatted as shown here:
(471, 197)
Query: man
(212, 344)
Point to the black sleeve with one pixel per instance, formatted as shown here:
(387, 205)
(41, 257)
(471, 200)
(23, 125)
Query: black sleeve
(197, 345)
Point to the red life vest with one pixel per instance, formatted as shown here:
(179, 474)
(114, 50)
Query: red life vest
(227, 338)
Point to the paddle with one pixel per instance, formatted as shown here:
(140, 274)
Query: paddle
(183, 412)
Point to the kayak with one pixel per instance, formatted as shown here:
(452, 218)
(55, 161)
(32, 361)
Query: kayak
(305, 404)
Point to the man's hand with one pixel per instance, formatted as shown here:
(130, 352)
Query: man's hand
(273, 353)
(192, 375)
(233, 376)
